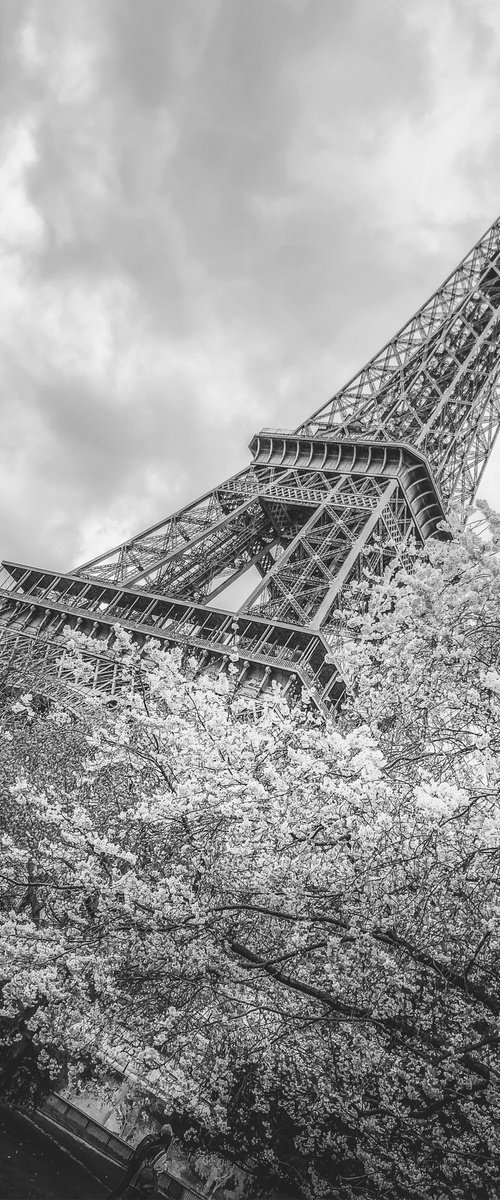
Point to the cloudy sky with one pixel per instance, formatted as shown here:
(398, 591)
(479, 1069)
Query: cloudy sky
(212, 212)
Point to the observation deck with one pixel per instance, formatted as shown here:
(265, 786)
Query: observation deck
(385, 460)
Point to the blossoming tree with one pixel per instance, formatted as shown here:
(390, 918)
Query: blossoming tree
(289, 925)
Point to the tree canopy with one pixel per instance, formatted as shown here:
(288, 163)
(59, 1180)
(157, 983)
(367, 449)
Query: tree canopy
(288, 925)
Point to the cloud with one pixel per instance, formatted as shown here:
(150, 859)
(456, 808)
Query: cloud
(408, 129)
(212, 214)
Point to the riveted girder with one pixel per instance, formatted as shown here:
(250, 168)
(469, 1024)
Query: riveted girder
(436, 384)
(316, 511)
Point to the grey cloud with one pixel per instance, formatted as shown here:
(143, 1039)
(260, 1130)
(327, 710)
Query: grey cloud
(219, 210)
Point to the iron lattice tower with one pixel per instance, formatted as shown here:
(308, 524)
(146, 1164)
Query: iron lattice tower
(377, 465)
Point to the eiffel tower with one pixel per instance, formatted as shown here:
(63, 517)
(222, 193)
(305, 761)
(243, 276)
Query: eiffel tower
(375, 468)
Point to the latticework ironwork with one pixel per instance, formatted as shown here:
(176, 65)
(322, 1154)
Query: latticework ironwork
(373, 469)
(435, 385)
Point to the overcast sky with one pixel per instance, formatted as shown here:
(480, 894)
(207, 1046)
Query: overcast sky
(212, 213)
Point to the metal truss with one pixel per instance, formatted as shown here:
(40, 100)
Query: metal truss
(436, 384)
(318, 510)
(41, 605)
